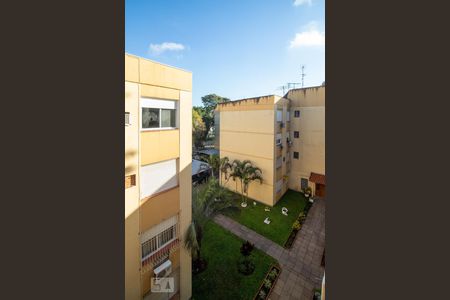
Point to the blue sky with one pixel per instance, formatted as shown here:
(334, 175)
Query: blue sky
(235, 48)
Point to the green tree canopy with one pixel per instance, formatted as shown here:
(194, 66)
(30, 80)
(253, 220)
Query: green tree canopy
(198, 128)
(209, 105)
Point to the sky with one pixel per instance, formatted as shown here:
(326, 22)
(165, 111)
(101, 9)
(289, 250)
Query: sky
(234, 48)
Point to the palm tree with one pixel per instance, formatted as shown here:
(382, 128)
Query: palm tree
(208, 202)
(251, 173)
(225, 168)
(236, 173)
(246, 173)
(214, 162)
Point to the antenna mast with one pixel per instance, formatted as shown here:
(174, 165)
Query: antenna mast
(303, 76)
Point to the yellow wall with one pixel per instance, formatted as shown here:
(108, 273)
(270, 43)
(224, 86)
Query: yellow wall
(132, 249)
(185, 177)
(158, 208)
(146, 78)
(145, 71)
(147, 274)
(311, 126)
(159, 145)
(248, 128)
(247, 133)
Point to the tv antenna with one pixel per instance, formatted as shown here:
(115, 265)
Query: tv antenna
(288, 86)
(303, 76)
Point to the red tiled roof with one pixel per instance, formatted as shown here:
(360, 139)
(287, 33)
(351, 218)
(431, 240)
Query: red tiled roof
(317, 178)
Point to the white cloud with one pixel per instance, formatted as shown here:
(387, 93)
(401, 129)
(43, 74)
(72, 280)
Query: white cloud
(301, 2)
(157, 49)
(311, 36)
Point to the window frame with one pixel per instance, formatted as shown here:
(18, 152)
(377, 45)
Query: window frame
(295, 113)
(296, 134)
(298, 155)
(127, 114)
(154, 105)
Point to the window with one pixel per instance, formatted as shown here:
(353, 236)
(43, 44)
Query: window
(288, 115)
(279, 185)
(158, 114)
(303, 183)
(278, 162)
(278, 139)
(296, 155)
(158, 177)
(127, 118)
(130, 181)
(150, 117)
(159, 236)
(297, 114)
(296, 134)
(158, 241)
(279, 115)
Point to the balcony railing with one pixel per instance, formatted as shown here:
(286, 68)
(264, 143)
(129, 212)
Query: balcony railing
(154, 259)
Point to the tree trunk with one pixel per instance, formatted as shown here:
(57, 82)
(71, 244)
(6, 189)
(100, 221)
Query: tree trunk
(242, 192)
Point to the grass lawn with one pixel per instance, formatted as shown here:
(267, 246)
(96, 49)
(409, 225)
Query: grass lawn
(280, 227)
(221, 279)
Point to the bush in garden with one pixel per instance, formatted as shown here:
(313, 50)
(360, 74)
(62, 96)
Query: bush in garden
(267, 284)
(262, 294)
(273, 274)
(246, 265)
(247, 248)
(296, 226)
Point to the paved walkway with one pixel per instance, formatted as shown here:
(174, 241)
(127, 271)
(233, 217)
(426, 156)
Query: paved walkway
(301, 265)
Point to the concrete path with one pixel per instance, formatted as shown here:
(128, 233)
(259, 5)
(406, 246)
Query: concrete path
(301, 265)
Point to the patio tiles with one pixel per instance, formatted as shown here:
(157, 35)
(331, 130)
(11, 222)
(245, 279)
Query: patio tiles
(301, 265)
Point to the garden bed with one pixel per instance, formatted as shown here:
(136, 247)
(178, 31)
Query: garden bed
(265, 289)
(298, 225)
(280, 226)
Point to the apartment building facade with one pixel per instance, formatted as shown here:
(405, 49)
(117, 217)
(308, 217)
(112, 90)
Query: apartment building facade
(158, 152)
(283, 136)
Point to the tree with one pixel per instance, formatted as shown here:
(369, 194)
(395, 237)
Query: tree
(225, 168)
(214, 162)
(198, 128)
(250, 174)
(208, 202)
(245, 172)
(209, 105)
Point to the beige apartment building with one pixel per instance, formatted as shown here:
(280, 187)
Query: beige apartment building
(283, 136)
(158, 152)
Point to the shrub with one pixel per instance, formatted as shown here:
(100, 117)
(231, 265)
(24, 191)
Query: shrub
(308, 190)
(296, 225)
(302, 217)
(273, 274)
(246, 248)
(262, 294)
(267, 284)
(246, 266)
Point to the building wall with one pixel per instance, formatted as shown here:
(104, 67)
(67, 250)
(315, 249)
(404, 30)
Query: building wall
(247, 133)
(311, 126)
(249, 129)
(149, 79)
(132, 246)
(282, 105)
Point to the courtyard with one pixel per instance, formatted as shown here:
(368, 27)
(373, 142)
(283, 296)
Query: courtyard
(280, 225)
(221, 279)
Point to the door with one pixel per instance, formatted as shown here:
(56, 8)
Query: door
(320, 190)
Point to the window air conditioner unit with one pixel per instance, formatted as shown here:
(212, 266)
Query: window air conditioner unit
(164, 269)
